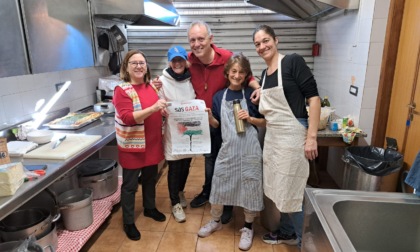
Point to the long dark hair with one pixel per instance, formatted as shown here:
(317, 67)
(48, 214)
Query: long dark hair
(123, 71)
(243, 62)
(267, 29)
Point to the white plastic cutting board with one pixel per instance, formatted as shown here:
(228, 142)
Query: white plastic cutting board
(68, 148)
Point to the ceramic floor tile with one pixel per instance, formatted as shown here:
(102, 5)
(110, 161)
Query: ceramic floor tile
(149, 242)
(148, 224)
(215, 243)
(173, 236)
(191, 225)
(174, 241)
(285, 248)
(257, 245)
(228, 229)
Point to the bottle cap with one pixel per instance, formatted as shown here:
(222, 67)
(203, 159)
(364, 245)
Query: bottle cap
(236, 101)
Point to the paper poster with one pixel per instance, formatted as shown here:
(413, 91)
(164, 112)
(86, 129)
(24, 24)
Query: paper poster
(188, 123)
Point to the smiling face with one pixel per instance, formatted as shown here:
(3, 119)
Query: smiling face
(236, 76)
(137, 68)
(200, 42)
(178, 65)
(265, 45)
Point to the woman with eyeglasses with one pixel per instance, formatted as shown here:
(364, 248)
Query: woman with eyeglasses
(138, 127)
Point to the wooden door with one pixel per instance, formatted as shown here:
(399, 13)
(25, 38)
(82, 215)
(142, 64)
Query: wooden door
(403, 122)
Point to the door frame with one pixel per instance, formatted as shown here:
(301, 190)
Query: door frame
(386, 80)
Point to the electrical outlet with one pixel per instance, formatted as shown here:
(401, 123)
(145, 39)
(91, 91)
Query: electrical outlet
(58, 86)
(353, 90)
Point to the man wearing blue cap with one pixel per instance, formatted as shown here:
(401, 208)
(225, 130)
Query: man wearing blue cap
(176, 86)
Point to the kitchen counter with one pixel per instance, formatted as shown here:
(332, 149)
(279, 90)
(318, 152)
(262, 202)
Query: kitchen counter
(57, 168)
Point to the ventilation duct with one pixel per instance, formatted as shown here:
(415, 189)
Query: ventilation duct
(136, 12)
(307, 10)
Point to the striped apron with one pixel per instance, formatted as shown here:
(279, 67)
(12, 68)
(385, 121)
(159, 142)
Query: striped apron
(237, 178)
(286, 168)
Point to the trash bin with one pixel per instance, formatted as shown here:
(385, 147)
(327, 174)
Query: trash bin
(370, 168)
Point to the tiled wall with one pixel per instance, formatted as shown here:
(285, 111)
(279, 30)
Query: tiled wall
(352, 45)
(19, 94)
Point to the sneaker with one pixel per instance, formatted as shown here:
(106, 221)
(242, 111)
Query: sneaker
(209, 228)
(132, 232)
(182, 199)
(154, 214)
(227, 214)
(247, 235)
(178, 213)
(199, 200)
(279, 238)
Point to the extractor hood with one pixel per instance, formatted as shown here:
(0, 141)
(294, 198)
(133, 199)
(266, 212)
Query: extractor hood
(307, 10)
(136, 12)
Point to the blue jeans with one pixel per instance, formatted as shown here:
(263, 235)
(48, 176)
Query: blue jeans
(292, 223)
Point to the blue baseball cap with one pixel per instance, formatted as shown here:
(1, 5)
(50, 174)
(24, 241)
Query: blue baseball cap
(177, 51)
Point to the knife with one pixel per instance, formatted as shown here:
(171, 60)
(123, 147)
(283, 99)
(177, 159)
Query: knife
(59, 141)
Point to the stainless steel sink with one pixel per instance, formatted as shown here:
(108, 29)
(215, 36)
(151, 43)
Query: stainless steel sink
(343, 220)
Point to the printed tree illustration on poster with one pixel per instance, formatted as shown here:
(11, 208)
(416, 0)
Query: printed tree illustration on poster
(186, 128)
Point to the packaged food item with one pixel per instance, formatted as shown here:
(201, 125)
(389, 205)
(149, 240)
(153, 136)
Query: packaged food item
(12, 177)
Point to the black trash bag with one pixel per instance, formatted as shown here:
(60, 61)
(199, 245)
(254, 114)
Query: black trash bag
(373, 160)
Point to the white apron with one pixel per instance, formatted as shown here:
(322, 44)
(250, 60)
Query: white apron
(237, 178)
(286, 169)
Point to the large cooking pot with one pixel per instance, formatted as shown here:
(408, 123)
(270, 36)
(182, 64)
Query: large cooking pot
(49, 240)
(65, 183)
(25, 222)
(76, 208)
(14, 246)
(99, 174)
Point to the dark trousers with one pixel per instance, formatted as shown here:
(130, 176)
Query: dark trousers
(177, 177)
(209, 161)
(129, 188)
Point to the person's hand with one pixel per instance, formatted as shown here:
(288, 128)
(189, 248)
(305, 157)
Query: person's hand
(159, 105)
(311, 149)
(243, 114)
(209, 112)
(164, 112)
(157, 83)
(255, 96)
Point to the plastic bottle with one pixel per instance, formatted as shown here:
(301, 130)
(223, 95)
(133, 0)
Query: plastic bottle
(238, 122)
(326, 102)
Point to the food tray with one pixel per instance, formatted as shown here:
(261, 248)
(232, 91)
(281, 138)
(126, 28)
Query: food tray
(55, 124)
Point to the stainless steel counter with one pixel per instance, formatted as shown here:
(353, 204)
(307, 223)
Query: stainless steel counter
(57, 168)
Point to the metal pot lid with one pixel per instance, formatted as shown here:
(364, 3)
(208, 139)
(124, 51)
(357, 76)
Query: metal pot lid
(95, 167)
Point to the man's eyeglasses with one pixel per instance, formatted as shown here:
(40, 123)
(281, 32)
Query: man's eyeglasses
(134, 63)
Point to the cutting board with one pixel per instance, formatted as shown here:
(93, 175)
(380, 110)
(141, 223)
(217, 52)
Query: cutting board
(68, 148)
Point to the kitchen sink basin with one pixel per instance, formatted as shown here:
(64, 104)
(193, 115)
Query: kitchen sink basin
(344, 220)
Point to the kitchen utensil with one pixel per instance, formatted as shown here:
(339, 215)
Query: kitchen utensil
(40, 136)
(105, 107)
(25, 222)
(99, 174)
(76, 208)
(74, 143)
(59, 141)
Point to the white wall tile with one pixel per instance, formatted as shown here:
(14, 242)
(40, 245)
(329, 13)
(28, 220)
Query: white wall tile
(367, 8)
(372, 76)
(375, 54)
(19, 94)
(378, 30)
(366, 118)
(365, 29)
(12, 108)
(369, 98)
(381, 9)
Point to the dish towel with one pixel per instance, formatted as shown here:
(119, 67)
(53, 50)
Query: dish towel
(413, 177)
(18, 148)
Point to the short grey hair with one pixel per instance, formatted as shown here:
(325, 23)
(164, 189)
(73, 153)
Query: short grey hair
(202, 23)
